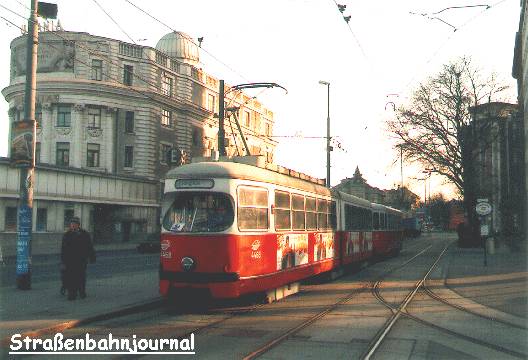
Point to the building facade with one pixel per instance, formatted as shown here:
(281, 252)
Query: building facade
(499, 166)
(520, 72)
(116, 109)
(358, 186)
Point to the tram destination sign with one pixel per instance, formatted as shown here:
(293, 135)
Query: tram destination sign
(194, 183)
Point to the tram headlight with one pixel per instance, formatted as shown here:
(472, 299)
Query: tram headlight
(187, 263)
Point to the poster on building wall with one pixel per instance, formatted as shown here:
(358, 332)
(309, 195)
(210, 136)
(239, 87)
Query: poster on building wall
(292, 250)
(22, 142)
(324, 246)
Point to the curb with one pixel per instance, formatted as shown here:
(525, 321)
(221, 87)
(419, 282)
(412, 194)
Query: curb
(127, 310)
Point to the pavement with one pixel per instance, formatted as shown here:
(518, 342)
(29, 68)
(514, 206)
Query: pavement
(501, 286)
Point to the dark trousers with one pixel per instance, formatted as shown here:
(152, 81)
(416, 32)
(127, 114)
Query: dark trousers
(75, 280)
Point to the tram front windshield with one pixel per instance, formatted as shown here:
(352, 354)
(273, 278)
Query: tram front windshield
(199, 212)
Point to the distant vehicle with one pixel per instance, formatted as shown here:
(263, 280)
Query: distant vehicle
(151, 245)
(412, 227)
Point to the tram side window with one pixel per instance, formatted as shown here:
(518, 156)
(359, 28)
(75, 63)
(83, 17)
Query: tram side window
(311, 214)
(376, 220)
(392, 222)
(253, 208)
(357, 218)
(322, 214)
(383, 222)
(298, 221)
(332, 221)
(367, 219)
(282, 210)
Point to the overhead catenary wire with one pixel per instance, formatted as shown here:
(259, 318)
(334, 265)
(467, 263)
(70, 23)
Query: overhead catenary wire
(188, 38)
(140, 92)
(352, 32)
(110, 60)
(437, 51)
(147, 95)
(113, 20)
(93, 52)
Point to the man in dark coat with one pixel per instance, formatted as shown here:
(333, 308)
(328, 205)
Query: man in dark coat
(77, 250)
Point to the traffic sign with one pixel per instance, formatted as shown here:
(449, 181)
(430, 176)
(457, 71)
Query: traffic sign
(483, 208)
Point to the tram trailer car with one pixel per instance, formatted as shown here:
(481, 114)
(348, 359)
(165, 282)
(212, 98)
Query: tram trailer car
(230, 229)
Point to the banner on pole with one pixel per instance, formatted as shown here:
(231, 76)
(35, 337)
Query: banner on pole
(22, 142)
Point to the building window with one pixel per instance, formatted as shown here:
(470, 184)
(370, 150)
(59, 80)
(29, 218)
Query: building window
(11, 218)
(211, 102)
(94, 118)
(166, 85)
(165, 155)
(129, 122)
(92, 155)
(166, 118)
(37, 153)
(17, 114)
(64, 116)
(97, 69)
(268, 129)
(247, 118)
(63, 154)
(128, 72)
(38, 115)
(129, 156)
(68, 214)
(196, 137)
(42, 219)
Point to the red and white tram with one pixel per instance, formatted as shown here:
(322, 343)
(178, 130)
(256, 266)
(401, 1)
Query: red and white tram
(232, 229)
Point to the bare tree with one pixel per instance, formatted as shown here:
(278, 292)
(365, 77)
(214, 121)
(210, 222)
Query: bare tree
(435, 128)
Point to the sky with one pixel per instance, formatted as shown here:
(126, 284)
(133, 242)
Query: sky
(381, 55)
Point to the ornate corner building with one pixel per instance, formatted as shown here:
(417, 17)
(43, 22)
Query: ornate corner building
(110, 115)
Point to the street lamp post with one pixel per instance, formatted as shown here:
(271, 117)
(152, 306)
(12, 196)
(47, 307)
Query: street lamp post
(328, 148)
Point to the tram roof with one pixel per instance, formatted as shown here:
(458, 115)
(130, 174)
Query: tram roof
(353, 199)
(381, 207)
(234, 170)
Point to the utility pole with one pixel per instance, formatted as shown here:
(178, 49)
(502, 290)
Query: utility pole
(328, 147)
(27, 169)
(221, 111)
(401, 173)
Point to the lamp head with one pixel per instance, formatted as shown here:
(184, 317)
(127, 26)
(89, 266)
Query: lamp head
(322, 82)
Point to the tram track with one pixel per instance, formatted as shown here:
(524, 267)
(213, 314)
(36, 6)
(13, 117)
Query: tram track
(230, 313)
(433, 295)
(402, 311)
(292, 331)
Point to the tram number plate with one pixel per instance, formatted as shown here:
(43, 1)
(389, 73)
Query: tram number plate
(256, 254)
(166, 254)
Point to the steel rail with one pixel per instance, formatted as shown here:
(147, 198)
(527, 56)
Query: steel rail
(382, 334)
(437, 297)
(422, 284)
(276, 341)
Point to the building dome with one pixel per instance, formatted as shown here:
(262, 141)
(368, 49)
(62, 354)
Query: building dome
(180, 46)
